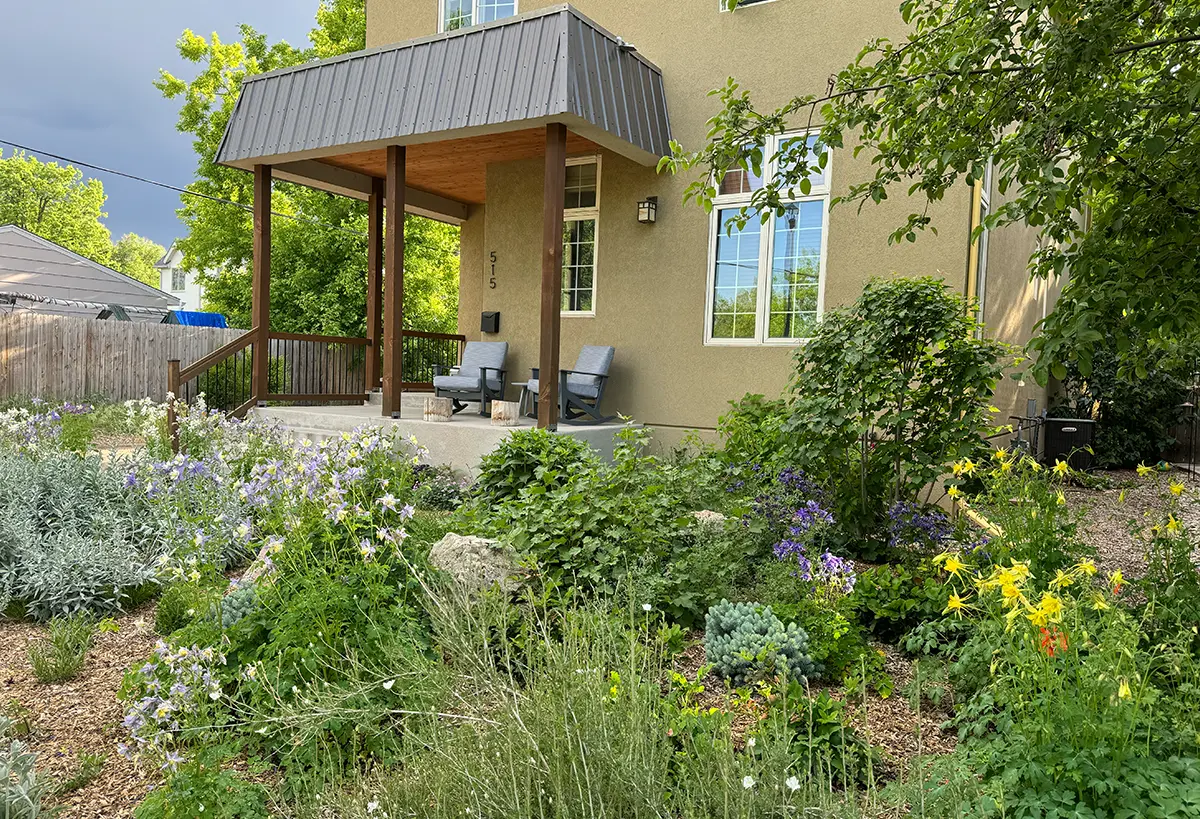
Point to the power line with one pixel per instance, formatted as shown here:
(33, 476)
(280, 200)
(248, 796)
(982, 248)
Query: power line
(184, 191)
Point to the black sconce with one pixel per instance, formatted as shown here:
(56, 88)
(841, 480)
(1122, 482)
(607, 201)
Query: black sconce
(648, 210)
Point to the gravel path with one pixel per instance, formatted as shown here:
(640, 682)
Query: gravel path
(1108, 522)
(80, 715)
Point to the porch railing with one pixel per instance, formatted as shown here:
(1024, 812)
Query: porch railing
(315, 369)
(422, 350)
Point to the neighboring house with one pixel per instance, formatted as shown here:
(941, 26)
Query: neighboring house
(180, 283)
(40, 276)
(476, 90)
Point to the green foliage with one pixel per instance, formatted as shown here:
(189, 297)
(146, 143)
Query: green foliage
(135, 256)
(936, 638)
(204, 789)
(56, 203)
(709, 561)
(238, 604)
(1081, 107)
(89, 767)
(531, 458)
(438, 490)
(753, 431)
(228, 385)
(21, 788)
(61, 656)
(1136, 416)
(317, 281)
(824, 742)
(746, 643)
(183, 603)
(892, 599)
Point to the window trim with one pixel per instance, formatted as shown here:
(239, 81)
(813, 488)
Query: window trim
(474, 14)
(766, 252)
(180, 276)
(721, 7)
(581, 215)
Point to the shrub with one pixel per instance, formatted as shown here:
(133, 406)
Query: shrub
(752, 431)
(891, 600)
(438, 490)
(528, 458)
(204, 788)
(61, 656)
(238, 604)
(181, 604)
(709, 561)
(21, 789)
(746, 642)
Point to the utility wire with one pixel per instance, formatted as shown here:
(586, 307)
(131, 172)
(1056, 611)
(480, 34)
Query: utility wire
(184, 191)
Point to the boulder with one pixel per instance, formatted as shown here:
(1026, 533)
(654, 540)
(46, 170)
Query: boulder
(476, 563)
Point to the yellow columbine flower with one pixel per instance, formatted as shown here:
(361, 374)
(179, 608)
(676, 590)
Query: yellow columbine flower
(1051, 606)
(1012, 595)
(1061, 580)
(1121, 497)
(1006, 466)
(1123, 691)
(954, 492)
(1144, 471)
(1116, 580)
(968, 467)
(1061, 468)
(1020, 569)
(1000, 454)
(1085, 566)
(1176, 488)
(1061, 499)
(1173, 526)
(939, 559)
(954, 565)
(1099, 603)
(955, 606)
(1034, 465)
(1037, 617)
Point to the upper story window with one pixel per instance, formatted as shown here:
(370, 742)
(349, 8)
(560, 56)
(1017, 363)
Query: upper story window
(766, 281)
(178, 280)
(581, 215)
(456, 14)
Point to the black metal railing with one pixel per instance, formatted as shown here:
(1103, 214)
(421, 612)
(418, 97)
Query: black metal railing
(421, 351)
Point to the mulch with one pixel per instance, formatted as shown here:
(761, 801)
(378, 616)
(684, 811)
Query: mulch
(80, 715)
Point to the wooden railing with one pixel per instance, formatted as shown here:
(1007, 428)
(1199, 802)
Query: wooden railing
(315, 369)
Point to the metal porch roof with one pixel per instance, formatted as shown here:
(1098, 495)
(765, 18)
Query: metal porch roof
(544, 66)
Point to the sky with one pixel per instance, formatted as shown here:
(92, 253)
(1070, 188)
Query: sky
(78, 82)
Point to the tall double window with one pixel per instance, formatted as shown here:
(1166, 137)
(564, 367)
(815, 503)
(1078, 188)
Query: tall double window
(978, 263)
(581, 213)
(766, 281)
(456, 14)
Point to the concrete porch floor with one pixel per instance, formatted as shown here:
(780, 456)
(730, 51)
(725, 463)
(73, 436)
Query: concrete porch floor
(459, 443)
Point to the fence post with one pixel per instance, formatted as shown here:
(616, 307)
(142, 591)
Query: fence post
(173, 396)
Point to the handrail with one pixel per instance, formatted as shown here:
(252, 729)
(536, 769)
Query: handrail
(423, 334)
(217, 356)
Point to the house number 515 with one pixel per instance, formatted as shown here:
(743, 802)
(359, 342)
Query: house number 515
(492, 278)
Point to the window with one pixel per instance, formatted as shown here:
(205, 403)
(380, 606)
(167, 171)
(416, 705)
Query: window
(178, 280)
(978, 260)
(723, 5)
(766, 281)
(456, 14)
(581, 210)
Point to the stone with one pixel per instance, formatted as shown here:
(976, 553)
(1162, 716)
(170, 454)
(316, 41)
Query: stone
(438, 409)
(707, 517)
(476, 563)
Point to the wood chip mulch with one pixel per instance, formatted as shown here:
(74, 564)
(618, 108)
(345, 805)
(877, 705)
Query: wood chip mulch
(80, 715)
(1107, 519)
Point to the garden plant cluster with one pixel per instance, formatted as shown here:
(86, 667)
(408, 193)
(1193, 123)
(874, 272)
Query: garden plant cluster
(695, 634)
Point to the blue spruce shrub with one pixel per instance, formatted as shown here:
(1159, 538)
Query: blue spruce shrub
(238, 604)
(746, 642)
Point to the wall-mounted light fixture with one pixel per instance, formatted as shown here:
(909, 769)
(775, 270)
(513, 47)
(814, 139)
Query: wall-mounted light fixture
(648, 210)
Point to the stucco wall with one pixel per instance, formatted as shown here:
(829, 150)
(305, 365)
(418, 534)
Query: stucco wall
(651, 280)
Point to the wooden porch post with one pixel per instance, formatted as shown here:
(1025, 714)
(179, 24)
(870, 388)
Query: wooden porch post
(393, 286)
(374, 282)
(552, 245)
(260, 310)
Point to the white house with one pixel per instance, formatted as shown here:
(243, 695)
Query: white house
(181, 284)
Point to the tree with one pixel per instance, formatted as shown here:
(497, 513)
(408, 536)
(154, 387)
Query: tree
(135, 256)
(56, 203)
(318, 260)
(1085, 108)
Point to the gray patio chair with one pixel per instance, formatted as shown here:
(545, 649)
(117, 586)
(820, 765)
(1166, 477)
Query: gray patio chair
(481, 376)
(580, 389)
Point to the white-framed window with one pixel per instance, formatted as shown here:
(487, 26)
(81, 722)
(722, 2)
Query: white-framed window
(723, 5)
(456, 14)
(977, 285)
(581, 219)
(178, 280)
(766, 281)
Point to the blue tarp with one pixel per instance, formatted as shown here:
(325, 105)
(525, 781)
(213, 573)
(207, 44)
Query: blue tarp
(193, 318)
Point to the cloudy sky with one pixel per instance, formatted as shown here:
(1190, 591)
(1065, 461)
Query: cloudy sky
(78, 77)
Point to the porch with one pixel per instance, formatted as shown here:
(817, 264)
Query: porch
(412, 128)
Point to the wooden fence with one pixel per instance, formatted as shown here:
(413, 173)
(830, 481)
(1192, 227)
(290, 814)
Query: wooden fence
(61, 357)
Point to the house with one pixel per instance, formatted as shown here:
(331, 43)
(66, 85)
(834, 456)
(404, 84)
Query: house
(41, 276)
(174, 279)
(538, 129)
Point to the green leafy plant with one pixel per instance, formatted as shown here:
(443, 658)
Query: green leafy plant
(88, 768)
(182, 603)
(824, 742)
(202, 788)
(746, 642)
(21, 788)
(238, 604)
(531, 458)
(891, 600)
(61, 656)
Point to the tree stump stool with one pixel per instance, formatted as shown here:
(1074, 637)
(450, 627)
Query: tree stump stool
(506, 413)
(438, 409)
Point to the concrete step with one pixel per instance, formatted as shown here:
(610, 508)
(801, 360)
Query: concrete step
(416, 400)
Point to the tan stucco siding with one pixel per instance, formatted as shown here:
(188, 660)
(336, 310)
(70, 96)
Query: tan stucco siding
(651, 281)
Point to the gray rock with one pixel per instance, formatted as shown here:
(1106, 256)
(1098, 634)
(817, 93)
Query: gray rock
(476, 563)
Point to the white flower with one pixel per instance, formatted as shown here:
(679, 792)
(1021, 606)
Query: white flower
(747, 782)
(646, 607)
(372, 807)
(793, 784)
(750, 742)
(387, 686)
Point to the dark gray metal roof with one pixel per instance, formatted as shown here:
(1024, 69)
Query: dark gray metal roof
(550, 65)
